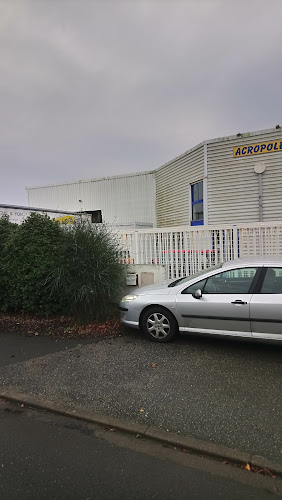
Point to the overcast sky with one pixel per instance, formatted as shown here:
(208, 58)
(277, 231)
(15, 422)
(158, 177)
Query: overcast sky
(97, 88)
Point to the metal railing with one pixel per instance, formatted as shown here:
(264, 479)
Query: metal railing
(185, 250)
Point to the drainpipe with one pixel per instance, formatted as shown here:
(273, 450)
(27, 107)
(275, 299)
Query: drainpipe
(259, 168)
(205, 184)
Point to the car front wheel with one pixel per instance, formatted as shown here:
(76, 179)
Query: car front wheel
(159, 325)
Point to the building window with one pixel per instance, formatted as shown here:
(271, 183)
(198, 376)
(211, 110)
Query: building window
(96, 216)
(197, 204)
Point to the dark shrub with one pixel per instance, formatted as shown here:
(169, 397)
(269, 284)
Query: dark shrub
(89, 276)
(31, 253)
(50, 269)
(7, 229)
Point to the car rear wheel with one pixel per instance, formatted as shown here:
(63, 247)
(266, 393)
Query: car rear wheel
(159, 325)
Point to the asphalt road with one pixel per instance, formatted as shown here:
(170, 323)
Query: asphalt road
(51, 457)
(16, 347)
(225, 392)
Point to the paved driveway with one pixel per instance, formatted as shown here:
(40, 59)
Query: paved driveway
(227, 392)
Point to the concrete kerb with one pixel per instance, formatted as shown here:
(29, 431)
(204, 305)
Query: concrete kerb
(188, 443)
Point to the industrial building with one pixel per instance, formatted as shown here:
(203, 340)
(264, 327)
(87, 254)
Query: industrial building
(227, 180)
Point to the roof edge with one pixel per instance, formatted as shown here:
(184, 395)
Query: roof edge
(221, 139)
(147, 172)
(94, 179)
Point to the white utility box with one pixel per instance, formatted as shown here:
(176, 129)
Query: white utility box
(132, 279)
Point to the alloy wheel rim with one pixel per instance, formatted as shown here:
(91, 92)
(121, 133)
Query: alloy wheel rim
(158, 325)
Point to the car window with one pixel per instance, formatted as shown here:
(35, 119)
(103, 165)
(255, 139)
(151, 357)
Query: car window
(181, 281)
(273, 281)
(233, 281)
(196, 286)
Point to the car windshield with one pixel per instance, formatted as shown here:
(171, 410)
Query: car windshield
(180, 281)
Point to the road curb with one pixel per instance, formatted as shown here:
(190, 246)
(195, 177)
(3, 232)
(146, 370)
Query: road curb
(188, 443)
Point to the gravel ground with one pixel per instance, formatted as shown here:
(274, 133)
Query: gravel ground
(227, 392)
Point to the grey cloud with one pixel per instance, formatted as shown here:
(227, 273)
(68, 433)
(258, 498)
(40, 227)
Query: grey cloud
(115, 88)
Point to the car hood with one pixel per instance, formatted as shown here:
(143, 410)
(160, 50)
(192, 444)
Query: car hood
(155, 289)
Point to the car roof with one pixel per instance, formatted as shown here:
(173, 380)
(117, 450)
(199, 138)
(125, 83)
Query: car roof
(266, 260)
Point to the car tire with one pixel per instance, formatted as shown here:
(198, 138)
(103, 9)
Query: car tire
(159, 325)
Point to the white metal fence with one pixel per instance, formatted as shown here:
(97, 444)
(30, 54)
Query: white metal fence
(185, 250)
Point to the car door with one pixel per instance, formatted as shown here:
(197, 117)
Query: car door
(266, 306)
(224, 307)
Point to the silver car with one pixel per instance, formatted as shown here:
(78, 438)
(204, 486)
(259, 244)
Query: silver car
(240, 298)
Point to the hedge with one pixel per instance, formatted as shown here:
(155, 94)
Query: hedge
(49, 269)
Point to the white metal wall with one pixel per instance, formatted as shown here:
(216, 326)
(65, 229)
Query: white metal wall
(233, 193)
(162, 196)
(272, 187)
(173, 182)
(122, 199)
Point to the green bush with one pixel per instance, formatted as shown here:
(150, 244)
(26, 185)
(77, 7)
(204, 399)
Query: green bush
(31, 252)
(50, 269)
(7, 229)
(89, 276)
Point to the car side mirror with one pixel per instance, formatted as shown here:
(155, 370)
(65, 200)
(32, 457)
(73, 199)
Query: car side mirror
(197, 294)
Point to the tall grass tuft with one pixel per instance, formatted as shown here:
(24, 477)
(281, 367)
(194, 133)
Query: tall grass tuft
(89, 276)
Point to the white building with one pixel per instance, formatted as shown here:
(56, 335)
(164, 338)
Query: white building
(227, 180)
(120, 200)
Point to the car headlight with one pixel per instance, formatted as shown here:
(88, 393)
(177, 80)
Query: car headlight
(129, 298)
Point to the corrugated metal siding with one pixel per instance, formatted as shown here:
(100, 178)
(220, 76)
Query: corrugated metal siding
(124, 199)
(162, 196)
(173, 187)
(272, 188)
(233, 194)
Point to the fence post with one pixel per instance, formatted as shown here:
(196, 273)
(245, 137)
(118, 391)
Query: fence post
(235, 242)
(137, 248)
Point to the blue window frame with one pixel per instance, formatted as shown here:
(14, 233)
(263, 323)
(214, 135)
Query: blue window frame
(197, 204)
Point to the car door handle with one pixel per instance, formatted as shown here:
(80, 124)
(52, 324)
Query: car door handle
(238, 302)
